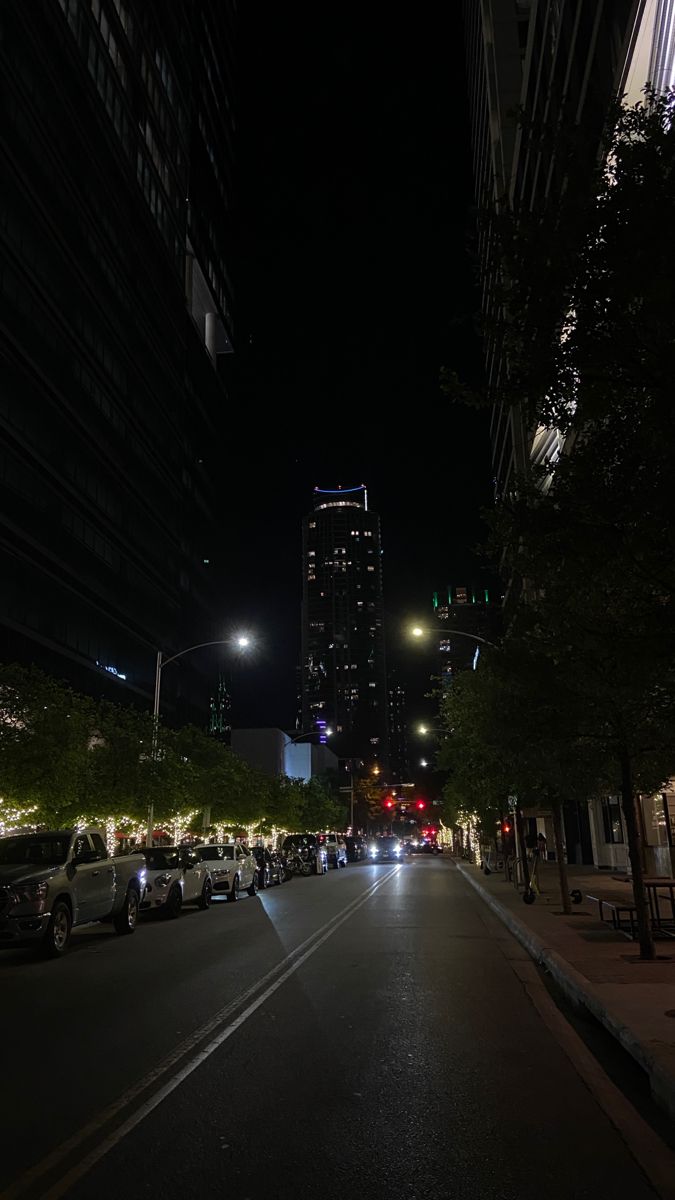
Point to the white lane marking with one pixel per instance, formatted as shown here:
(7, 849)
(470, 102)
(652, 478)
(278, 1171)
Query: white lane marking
(305, 949)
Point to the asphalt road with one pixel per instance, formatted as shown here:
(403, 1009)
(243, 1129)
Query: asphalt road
(366, 1033)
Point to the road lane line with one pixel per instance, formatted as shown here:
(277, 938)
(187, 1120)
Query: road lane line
(21, 1185)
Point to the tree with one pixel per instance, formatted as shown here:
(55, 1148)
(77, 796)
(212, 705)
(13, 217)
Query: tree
(319, 808)
(596, 553)
(45, 730)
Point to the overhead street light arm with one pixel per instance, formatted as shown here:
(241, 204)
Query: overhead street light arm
(164, 662)
(418, 631)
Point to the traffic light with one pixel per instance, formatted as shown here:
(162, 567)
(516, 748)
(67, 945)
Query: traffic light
(420, 804)
(388, 803)
(506, 828)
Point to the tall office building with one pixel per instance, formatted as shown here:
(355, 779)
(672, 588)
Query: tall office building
(343, 661)
(465, 618)
(561, 64)
(398, 732)
(116, 159)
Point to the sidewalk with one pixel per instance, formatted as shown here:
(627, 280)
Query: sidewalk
(596, 966)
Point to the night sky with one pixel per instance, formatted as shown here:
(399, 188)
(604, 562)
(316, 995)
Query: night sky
(355, 283)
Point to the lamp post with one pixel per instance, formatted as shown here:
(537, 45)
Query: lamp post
(419, 632)
(242, 641)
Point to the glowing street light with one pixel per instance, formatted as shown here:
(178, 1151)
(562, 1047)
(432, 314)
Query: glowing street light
(423, 762)
(420, 631)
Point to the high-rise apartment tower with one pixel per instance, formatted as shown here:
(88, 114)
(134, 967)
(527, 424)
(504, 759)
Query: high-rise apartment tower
(343, 660)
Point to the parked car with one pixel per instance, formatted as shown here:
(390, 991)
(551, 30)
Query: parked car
(357, 848)
(176, 876)
(270, 867)
(233, 868)
(386, 847)
(310, 849)
(336, 849)
(50, 882)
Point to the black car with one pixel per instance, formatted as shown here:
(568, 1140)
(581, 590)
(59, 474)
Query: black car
(356, 848)
(270, 868)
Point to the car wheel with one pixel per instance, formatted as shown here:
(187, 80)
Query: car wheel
(252, 889)
(58, 931)
(173, 903)
(126, 919)
(207, 894)
(233, 893)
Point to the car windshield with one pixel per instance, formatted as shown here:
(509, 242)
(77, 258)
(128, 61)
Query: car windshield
(300, 839)
(38, 850)
(165, 859)
(210, 853)
(388, 842)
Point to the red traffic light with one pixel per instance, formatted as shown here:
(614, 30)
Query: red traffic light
(506, 827)
(389, 803)
(420, 804)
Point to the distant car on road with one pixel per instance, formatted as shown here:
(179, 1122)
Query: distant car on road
(336, 849)
(176, 876)
(385, 848)
(357, 848)
(232, 867)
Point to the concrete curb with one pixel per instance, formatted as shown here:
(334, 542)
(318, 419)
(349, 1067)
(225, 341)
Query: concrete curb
(580, 991)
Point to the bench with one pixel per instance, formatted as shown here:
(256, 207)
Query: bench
(617, 907)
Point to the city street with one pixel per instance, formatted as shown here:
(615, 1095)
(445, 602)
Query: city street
(375, 1031)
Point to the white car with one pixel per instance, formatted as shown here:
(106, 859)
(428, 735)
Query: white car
(336, 848)
(176, 876)
(231, 867)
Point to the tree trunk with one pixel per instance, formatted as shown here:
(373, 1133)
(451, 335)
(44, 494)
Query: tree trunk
(556, 812)
(629, 805)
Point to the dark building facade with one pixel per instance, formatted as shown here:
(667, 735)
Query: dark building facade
(472, 615)
(399, 765)
(562, 63)
(344, 682)
(116, 153)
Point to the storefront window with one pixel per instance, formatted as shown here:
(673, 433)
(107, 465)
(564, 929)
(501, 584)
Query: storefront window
(611, 820)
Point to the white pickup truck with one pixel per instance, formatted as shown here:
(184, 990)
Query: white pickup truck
(51, 881)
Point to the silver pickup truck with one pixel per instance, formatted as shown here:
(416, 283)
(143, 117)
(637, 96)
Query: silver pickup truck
(51, 881)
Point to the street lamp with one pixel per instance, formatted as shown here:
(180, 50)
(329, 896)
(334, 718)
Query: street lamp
(242, 641)
(419, 632)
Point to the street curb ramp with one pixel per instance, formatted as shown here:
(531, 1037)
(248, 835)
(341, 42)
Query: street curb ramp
(579, 990)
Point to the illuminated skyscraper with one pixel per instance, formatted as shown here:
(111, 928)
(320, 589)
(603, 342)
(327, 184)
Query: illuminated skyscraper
(343, 659)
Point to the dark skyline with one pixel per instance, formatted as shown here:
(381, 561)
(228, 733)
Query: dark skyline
(354, 285)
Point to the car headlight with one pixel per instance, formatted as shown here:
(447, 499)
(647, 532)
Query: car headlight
(163, 880)
(373, 849)
(29, 893)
